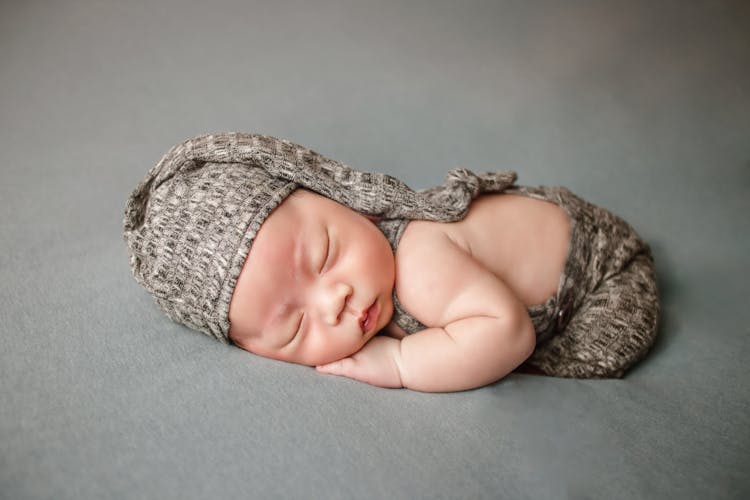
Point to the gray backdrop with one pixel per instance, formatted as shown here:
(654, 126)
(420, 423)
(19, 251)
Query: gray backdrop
(641, 106)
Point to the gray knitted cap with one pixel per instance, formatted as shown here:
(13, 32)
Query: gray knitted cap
(190, 223)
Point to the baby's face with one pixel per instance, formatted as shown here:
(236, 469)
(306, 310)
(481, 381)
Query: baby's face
(313, 272)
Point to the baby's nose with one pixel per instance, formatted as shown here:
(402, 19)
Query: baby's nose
(336, 303)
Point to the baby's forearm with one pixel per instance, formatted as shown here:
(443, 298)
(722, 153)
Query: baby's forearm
(465, 354)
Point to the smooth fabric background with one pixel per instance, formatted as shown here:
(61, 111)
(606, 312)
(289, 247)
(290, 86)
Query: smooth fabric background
(642, 107)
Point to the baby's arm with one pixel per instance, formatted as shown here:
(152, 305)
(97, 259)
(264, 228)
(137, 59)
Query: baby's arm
(487, 331)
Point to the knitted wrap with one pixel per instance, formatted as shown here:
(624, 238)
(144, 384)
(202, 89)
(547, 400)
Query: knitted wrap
(190, 223)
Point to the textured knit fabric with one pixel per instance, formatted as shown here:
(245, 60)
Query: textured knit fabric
(190, 223)
(604, 316)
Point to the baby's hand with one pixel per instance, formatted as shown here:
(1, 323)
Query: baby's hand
(376, 363)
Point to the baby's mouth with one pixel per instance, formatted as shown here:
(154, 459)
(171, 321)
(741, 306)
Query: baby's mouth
(369, 318)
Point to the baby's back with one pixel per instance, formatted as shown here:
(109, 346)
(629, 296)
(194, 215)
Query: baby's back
(521, 240)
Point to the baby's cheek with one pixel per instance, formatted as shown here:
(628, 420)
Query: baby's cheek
(318, 349)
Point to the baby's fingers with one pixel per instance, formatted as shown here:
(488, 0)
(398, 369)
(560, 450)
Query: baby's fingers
(360, 369)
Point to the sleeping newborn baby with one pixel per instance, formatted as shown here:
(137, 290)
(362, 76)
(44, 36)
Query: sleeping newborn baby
(316, 289)
(267, 245)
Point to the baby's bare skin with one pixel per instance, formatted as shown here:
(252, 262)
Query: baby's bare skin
(521, 240)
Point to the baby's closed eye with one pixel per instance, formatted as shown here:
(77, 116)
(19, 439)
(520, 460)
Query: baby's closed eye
(327, 253)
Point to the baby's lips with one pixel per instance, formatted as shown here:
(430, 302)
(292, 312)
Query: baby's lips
(369, 314)
(363, 320)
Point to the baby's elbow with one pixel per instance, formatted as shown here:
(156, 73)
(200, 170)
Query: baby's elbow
(513, 343)
(528, 341)
(522, 336)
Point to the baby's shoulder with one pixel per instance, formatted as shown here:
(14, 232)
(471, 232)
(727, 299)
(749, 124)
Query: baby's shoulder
(429, 265)
(420, 237)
